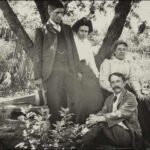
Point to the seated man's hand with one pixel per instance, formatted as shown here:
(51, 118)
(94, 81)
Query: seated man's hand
(93, 119)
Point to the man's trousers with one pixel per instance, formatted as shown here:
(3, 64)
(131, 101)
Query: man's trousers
(114, 136)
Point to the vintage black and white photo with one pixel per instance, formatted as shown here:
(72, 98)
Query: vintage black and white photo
(74, 74)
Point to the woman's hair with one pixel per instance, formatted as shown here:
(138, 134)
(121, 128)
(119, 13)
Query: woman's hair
(82, 22)
(119, 42)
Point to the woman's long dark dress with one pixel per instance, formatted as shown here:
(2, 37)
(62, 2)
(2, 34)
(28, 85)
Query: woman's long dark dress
(85, 94)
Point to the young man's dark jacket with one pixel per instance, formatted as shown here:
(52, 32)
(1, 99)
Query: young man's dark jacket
(45, 46)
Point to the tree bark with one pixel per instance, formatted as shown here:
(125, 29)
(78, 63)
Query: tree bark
(17, 28)
(42, 7)
(114, 31)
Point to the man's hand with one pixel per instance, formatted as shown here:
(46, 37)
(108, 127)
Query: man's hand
(39, 84)
(93, 119)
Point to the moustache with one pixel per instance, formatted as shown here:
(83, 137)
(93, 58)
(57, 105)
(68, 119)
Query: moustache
(116, 87)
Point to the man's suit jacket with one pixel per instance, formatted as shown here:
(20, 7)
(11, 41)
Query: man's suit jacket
(45, 46)
(126, 113)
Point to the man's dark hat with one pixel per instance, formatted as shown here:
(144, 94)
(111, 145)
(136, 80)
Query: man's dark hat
(82, 22)
(56, 3)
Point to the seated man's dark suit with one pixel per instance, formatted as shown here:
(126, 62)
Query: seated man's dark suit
(55, 58)
(113, 132)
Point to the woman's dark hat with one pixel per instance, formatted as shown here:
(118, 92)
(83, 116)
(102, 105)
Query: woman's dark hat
(82, 22)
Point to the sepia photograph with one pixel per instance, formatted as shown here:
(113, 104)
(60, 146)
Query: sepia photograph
(75, 74)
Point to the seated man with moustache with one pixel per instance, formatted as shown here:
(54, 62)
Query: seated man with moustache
(117, 123)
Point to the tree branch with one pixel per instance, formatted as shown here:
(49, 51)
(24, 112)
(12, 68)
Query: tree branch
(17, 28)
(114, 31)
(42, 7)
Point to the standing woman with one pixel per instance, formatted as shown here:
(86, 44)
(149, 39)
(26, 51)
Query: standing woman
(86, 91)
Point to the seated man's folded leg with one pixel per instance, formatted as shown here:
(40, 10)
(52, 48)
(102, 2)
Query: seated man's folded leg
(92, 133)
(118, 136)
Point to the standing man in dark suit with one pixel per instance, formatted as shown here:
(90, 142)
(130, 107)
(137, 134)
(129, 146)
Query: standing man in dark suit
(118, 119)
(54, 59)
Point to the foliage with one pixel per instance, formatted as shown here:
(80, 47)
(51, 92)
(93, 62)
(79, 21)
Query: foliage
(38, 133)
(35, 129)
(21, 74)
(20, 83)
(27, 14)
(19, 66)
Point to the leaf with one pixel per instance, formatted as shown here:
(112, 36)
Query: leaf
(23, 110)
(20, 145)
(25, 133)
(21, 118)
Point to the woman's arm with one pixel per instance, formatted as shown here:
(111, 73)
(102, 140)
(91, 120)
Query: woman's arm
(104, 74)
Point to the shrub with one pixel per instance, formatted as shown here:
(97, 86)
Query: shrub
(39, 133)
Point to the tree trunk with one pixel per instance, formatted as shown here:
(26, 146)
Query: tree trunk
(17, 28)
(42, 7)
(114, 31)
